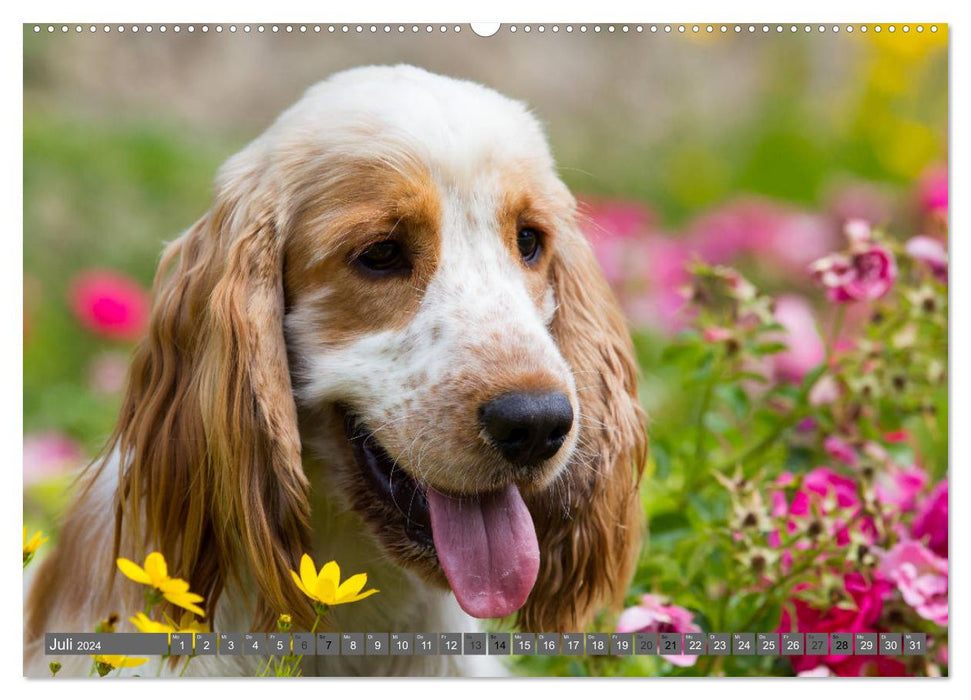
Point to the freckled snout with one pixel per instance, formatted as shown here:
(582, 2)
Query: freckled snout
(527, 428)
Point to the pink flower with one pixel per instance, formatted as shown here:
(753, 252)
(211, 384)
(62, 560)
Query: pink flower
(858, 231)
(652, 615)
(109, 304)
(617, 218)
(930, 525)
(667, 269)
(864, 273)
(921, 578)
(763, 228)
(899, 486)
(930, 252)
(805, 347)
(646, 269)
(932, 190)
(858, 613)
(838, 449)
(863, 276)
(48, 454)
(828, 494)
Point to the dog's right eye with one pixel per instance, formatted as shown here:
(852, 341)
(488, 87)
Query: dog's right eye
(384, 256)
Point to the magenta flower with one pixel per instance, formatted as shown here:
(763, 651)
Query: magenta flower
(862, 276)
(826, 493)
(841, 450)
(930, 525)
(864, 273)
(921, 577)
(109, 304)
(805, 349)
(49, 454)
(652, 615)
(930, 252)
(858, 612)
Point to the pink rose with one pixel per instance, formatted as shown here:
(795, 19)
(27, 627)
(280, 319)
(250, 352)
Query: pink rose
(930, 525)
(652, 615)
(109, 304)
(843, 451)
(863, 276)
(864, 273)
(805, 348)
(921, 577)
(930, 252)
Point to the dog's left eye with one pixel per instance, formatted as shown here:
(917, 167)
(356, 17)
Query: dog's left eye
(384, 256)
(529, 244)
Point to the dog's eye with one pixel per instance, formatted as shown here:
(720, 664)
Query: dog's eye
(529, 244)
(384, 256)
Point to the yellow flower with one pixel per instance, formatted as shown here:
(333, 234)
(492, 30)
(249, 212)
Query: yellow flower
(155, 573)
(31, 546)
(284, 623)
(143, 623)
(325, 587)
(188, 623)
(118, 661)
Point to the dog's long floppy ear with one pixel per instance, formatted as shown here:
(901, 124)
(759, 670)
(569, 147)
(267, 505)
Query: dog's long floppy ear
(589, 524)
(208, 439)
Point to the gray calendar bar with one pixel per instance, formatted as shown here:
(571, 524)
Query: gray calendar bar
(492, 643)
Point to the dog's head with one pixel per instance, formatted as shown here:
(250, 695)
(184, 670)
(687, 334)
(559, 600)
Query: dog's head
(391, 279)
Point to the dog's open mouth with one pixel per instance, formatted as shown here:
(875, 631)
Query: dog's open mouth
(486, 543)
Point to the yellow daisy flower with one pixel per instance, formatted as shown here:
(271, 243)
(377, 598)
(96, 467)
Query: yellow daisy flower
(155, 574)
(143, 623)
(188, 623)
(118, 661)
(31, 546)
(325, 587)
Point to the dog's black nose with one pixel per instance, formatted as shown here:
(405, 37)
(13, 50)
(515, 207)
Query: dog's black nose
(528, 428)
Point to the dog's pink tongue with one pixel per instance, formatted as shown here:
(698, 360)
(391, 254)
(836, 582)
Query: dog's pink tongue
(487, 547)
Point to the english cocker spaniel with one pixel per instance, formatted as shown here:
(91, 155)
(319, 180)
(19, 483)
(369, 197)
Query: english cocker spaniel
(387, 343)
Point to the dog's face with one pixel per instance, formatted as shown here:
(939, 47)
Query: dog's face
(391, 289)
(420, 300)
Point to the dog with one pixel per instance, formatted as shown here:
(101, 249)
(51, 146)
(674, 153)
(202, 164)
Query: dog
(389, 344)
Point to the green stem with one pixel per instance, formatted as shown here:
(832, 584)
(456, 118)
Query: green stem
(698, 463)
